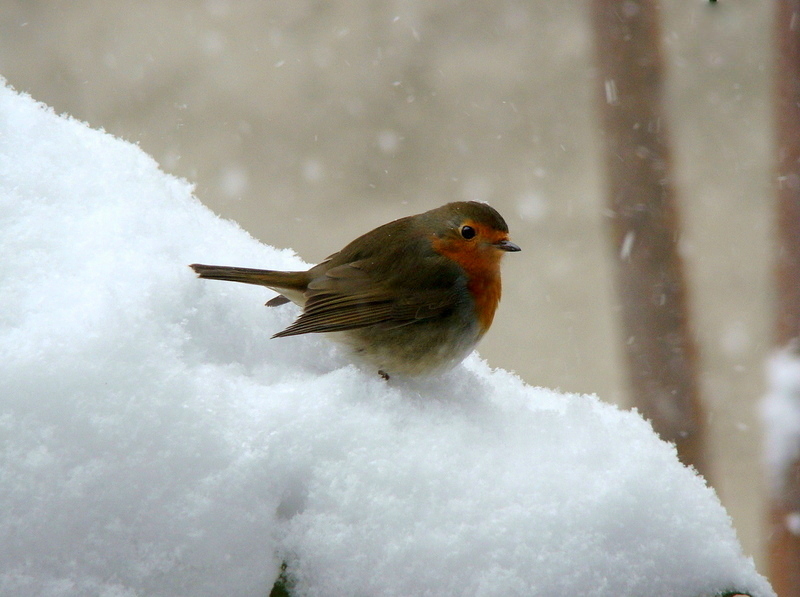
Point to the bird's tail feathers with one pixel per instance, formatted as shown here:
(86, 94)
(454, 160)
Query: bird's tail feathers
(279, 281)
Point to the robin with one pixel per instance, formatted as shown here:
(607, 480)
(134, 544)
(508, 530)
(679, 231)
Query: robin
(411, 297)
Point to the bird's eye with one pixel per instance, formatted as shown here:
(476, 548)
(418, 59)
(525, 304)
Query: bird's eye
(468, 232)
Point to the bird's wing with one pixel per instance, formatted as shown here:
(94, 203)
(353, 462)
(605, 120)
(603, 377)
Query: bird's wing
(346, 298)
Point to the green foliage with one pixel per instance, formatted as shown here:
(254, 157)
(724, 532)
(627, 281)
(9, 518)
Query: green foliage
(282, 586)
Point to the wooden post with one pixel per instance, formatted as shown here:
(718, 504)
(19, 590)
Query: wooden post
(783, 536)
(645, 226)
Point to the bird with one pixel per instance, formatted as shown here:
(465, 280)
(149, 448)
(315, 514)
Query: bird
(412, 297)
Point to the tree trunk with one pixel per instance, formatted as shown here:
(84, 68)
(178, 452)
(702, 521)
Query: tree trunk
(645, 227)
(784, 535)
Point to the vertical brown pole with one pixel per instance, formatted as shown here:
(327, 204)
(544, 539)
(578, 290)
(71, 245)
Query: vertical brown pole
(784, 545)
(644, 224)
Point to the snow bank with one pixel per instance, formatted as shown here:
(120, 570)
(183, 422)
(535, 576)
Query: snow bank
(155, 441)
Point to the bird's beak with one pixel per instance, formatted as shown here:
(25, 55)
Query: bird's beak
(506, 245)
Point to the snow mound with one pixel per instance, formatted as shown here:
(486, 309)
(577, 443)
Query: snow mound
(155, 441)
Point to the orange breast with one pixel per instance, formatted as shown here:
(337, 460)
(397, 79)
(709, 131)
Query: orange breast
(485, 287)
(482, 266)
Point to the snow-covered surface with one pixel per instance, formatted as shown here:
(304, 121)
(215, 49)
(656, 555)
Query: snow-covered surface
(780, 411)
(155, 441)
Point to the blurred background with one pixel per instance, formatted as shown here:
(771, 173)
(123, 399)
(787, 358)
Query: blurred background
(311, 122)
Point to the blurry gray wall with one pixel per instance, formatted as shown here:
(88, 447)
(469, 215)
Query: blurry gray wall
(311, 122)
